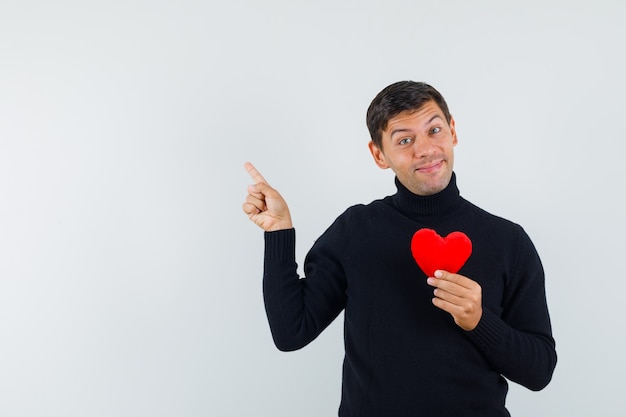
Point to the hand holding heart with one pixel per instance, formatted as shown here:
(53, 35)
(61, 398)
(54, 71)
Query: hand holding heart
(440, 258)
(264, 205)
(459, 296)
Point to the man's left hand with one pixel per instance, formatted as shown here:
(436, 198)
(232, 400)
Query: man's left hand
(459, 296)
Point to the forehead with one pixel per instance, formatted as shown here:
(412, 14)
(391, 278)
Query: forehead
(415, 118)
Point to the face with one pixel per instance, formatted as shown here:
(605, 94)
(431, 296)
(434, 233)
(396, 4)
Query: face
(418, 146)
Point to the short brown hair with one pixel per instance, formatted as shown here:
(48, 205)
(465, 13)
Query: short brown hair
(396, 98)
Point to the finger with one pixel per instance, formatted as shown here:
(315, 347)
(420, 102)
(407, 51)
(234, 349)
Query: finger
(447, 284)
(465, 315)
(259, 203)
(448, 287)
(454, 310)
(457, 311)
(255, 190)
(254, 173)
(263, 191)
(451, 298)
(444, 305)
(250, 209)
(454, 278)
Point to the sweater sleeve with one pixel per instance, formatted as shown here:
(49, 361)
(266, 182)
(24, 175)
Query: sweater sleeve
(299, 309)
(519, 344)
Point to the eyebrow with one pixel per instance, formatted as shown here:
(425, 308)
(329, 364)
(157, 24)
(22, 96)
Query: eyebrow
(393, 132)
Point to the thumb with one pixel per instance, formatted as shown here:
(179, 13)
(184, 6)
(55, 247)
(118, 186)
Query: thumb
(262, 190)
(441, 274)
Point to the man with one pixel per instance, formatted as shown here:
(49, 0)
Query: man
(420, 340)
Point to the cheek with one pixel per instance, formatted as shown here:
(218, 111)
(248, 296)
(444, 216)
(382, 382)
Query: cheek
(448, 149)
(450, 157)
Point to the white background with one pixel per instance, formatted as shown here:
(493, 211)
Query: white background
(130, 279)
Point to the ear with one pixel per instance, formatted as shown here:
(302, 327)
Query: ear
(379, 156)
(455, 140)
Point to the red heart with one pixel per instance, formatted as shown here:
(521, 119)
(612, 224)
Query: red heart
(433, 252)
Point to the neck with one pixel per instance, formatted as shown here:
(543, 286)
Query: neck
(424, 207)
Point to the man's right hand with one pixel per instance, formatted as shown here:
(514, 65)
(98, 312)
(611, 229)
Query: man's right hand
(264, 205)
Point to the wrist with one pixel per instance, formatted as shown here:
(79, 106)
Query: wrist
(280, 226)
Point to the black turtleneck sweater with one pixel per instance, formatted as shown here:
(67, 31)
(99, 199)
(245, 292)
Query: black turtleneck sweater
(403, 355)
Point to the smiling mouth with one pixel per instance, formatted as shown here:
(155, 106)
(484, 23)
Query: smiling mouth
(431, 167)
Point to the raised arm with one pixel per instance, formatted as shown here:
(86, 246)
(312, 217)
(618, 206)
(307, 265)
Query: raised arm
(264, 205)
(298, 310)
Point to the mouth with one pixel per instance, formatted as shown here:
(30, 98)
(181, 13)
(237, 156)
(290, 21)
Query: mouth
(430, 167)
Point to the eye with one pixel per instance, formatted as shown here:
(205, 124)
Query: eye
(435, 130)
(405, 141)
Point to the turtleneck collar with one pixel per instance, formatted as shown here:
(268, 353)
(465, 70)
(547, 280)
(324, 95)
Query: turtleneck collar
(417, 206)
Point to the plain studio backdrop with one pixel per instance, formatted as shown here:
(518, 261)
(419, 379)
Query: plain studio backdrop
(130, 279)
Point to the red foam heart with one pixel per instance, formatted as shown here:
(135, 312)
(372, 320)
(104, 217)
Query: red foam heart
(433, 252)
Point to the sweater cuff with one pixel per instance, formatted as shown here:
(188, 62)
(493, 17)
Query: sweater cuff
(489, 332)
(280, 245)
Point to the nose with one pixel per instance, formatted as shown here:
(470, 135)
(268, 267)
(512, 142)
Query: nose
(423, 146)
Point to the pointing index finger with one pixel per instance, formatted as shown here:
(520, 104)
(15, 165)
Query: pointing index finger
(254, 173)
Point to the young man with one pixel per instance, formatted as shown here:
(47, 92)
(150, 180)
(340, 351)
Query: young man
(442, 300)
